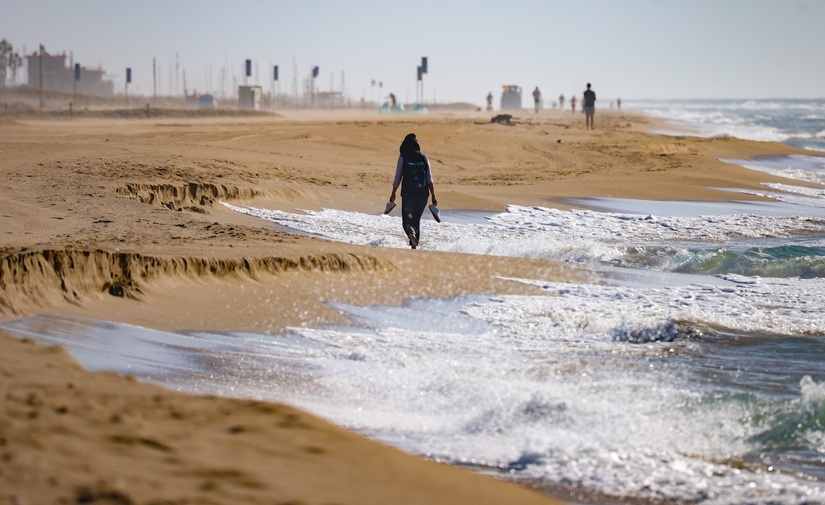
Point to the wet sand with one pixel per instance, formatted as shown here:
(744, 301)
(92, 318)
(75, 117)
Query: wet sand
(118, 218)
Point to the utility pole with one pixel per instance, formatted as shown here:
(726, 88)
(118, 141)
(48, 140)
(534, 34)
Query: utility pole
(74, 88)
(422, 69)
(42, 49)
(344, 100)
(177, 75)
(315, 72)
(76, 78)
(154, 80)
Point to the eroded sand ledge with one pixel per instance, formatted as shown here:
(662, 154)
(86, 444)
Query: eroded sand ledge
(31, 278)
(117, 220)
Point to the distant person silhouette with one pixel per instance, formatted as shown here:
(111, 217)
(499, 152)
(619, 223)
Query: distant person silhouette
(537, 99)
(573, 103)
(490, 100)
(589, 107)
(619, 103)
(561, 101)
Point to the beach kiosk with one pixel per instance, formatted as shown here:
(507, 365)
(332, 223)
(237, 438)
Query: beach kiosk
(511, 97)
(250, 97)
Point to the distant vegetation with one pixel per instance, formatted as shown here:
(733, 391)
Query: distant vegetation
(9, 60)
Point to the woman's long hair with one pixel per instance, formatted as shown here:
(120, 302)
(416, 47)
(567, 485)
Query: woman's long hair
(409, 147)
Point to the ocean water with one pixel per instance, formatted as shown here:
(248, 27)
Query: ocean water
(798, 122)
(691, 372)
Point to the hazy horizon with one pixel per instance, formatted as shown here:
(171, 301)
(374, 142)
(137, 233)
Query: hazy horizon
(637, 49)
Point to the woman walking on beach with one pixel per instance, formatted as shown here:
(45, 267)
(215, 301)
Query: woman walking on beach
(414, 175)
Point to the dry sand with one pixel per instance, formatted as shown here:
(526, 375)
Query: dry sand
(116, 218)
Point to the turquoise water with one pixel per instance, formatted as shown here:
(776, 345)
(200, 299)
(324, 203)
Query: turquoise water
(805, 259)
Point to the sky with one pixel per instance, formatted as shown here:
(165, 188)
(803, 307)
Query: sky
(633, 49)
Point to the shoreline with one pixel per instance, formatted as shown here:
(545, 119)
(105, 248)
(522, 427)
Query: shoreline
(86, 219)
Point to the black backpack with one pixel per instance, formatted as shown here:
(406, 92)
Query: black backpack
(414, 176)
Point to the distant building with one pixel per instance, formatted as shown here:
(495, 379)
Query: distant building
(511, 97)
(329, 99)
(58, 76)
(250, 97)
(207, 102)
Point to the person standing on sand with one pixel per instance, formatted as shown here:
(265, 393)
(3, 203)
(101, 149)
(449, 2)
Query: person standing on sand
(589, 107)
(573, 103)
(414, 175)
(490, 100)
(537, 99)
(561, 101)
